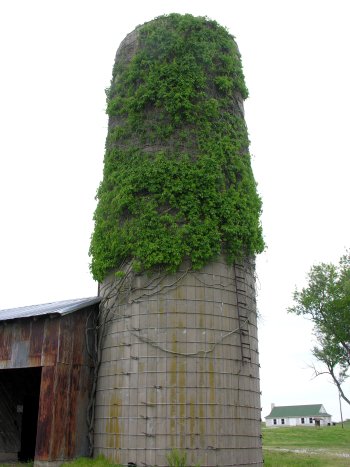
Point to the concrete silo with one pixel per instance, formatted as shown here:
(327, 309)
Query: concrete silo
(176, 231)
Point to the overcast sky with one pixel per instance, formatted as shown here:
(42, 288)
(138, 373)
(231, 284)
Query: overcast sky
(56, 59)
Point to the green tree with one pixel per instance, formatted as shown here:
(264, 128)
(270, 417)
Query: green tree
(326, 302)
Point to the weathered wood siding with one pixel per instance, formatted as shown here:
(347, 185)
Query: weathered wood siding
(57, 345)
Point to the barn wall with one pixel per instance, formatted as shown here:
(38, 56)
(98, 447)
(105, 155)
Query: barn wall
(57, 345)
(177, 372)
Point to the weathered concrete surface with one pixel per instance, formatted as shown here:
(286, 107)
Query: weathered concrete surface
(180, 369)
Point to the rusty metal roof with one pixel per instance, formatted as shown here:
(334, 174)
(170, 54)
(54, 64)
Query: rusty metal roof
(55, 308)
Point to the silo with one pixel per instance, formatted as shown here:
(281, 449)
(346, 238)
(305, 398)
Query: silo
(176, 232)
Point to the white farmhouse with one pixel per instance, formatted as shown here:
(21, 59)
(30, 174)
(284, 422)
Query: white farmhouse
(295, 415)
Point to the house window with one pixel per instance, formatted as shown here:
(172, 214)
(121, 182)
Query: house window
(282, 421)
(303, 420)
(274, 421)
(310, 420)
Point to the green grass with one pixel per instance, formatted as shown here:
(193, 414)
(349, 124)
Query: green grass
(81, 462)
(100, 461)
(20, 464)
(304, 446)
(283, 447)
(332, 437)
(175, 459)
(285, 459)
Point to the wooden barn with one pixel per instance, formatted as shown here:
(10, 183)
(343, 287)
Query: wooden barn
(45, 379)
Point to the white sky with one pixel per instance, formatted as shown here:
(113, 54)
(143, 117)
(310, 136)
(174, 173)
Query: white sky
(56, 59)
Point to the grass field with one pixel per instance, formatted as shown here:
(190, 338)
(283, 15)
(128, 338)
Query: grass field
(300, 446)
(82, 462)
(20, 464)
(296, 446)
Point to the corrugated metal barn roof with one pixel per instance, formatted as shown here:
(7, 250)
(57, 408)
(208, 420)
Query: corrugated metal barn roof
(60, 308)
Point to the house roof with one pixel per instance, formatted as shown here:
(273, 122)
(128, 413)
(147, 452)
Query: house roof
(285, 411)
(55, 308)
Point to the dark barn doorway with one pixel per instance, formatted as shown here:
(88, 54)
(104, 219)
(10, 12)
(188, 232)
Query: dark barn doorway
(19, 396)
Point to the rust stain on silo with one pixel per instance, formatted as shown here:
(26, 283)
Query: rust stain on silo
(212, 399)
(172, 381)
(192, 423)
(113, 424)
(182, 403)
(201, 412)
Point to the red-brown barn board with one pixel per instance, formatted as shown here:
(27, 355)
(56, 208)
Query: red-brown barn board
(6, 341)
(36, 341)
(50, 344)
(57, 345)
(45, 428)
(67, 336)
(60, 411)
